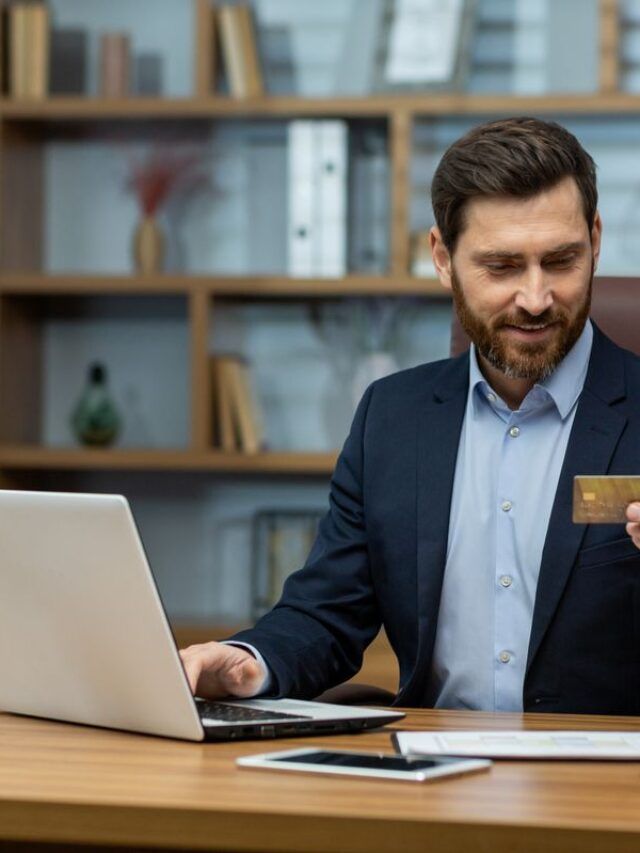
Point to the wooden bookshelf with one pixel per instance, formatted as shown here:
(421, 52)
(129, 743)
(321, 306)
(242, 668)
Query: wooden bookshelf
(27, 292)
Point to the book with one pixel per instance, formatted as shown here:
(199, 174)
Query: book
(250, 56)
(231, 44)
(282, 540)
(38, 43)
(237, 422)
(147, 74)
(68, 62)
(28, 50)
(242, 407)
(18, 37)
(205, 48)
(240, 52)
(4, 50)
(223, 433)
(115, 65)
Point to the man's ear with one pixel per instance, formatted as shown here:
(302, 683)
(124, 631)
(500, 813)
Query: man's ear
(441, 257)
(596, 239)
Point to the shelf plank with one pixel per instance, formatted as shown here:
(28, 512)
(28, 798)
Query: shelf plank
(72, 458)
(373, 106)
(39, 284)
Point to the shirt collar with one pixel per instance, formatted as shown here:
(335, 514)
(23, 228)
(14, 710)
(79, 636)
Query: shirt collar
(563, 386)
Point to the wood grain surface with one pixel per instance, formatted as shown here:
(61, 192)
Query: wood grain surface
(63, 783)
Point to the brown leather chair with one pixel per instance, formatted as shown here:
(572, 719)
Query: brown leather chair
(615, 308)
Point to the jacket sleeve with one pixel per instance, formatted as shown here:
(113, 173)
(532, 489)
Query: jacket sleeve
(316, 634)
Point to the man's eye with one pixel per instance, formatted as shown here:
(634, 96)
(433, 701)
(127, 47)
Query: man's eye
(500, 269)
(561, 263)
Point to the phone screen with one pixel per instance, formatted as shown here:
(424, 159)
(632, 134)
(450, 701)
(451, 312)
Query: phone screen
(369, 762)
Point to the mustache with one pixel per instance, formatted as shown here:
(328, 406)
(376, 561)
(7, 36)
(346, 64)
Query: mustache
(523, 318)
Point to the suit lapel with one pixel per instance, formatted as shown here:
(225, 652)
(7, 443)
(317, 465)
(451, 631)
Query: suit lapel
(438, 423)
(597, 428)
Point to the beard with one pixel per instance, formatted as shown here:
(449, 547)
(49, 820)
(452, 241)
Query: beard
(518, 359)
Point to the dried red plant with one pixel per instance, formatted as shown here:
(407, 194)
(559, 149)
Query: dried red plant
(155, 175)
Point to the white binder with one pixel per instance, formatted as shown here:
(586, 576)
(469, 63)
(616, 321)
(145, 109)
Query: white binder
(332, 199)
(302, 158)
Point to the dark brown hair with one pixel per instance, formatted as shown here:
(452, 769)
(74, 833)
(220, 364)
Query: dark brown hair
(518, 157)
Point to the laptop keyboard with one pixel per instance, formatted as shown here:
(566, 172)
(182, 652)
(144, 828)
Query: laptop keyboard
(241, 713)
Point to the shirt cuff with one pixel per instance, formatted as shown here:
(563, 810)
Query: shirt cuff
(267, 680)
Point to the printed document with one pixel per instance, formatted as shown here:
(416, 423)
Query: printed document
(603, 746)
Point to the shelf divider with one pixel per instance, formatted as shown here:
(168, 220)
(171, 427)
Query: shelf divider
(201, 400)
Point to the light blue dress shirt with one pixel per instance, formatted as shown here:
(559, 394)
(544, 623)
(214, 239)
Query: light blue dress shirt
(506, 475)
(505, 482)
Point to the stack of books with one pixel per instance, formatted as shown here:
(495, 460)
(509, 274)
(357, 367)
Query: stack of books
(236, 417)
(28, 57)
(317, 203)
(231, 27)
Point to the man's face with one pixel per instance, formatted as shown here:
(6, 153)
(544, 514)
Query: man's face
(521, 277)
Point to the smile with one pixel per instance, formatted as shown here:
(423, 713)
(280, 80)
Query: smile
(528, 332)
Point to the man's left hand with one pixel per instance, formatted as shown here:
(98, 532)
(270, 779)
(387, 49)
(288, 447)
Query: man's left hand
(633, 527)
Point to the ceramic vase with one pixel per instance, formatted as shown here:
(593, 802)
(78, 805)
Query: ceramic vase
(148, 247)
(95, 420)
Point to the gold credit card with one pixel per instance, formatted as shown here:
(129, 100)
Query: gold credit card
(604, 499)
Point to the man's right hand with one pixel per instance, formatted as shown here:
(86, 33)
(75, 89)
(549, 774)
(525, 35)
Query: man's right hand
(215, 670)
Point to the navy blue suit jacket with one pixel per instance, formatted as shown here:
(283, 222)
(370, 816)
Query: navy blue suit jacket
(379, 557)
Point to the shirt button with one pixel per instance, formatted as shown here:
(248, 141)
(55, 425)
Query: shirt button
(491, 398)
(505, 506)
(504, 657)
(514, 432)
(506, 581)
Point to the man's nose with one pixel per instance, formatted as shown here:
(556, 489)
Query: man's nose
(534, 293)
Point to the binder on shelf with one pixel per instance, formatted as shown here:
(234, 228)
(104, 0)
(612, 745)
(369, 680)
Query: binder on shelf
(355, 69)
(28, 50)
(301, 155)
(369, 183)
(317, 196)
(332, 199)
(237, 424)
(240, 51)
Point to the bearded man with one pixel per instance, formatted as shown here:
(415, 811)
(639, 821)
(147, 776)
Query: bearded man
(450, 505)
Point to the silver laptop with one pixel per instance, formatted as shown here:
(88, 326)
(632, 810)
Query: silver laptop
(84, 637)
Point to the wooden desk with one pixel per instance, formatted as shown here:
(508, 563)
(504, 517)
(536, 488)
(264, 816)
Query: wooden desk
(62, 783)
